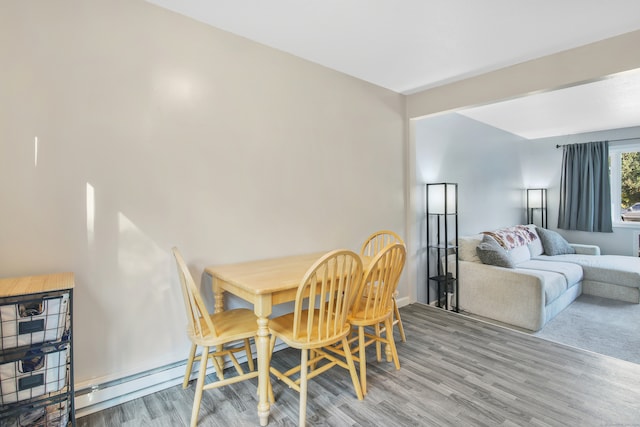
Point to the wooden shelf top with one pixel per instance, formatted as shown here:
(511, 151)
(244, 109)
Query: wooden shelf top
(16, 286)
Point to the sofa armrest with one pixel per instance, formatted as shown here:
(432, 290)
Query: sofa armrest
(586, 249)
(504, 294)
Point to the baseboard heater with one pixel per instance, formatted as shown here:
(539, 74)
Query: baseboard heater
(97, 397)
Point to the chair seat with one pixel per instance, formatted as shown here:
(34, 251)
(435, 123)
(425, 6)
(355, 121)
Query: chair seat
(359, 318)
(319, 319)
(374, 306)
(282, 327)
(231, 325)
(214, 332)
(373, 245)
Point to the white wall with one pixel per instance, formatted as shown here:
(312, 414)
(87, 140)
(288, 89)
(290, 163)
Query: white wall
(481, 159)
(620, 242)
(154, 130)
(567, 68)
(492, 169)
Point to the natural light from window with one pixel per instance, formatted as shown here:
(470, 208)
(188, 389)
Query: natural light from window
(91, 209)
(624, 166)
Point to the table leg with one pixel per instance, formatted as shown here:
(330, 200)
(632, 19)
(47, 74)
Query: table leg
(262, 306)
(262, 343)
(218, 295)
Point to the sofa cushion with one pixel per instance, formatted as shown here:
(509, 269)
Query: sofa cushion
(572, 272)
(615, 269)
(490, 252)
(467, 247)
(553, 243)
(554, 284)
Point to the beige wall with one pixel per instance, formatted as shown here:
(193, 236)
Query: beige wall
(154, 130)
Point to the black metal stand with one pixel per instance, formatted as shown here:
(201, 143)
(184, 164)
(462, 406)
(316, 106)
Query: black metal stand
(442, 242)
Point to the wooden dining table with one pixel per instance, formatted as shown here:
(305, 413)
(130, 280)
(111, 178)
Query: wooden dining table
(263, 283)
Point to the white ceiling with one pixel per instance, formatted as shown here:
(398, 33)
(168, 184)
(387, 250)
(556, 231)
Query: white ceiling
(610, 103)
(411, 45)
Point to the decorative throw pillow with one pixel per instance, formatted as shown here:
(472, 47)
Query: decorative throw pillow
(512, 237)
(519, 254)
(535, 246)
(553, 243)
(467, 247)
(490, 252)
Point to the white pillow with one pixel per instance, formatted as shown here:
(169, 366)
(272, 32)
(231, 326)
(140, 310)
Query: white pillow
(467, 247)
(520, 254)
(535, 247)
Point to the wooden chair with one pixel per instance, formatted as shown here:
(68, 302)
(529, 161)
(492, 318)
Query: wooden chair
(373, 305)
(319, 319)
(214, 332)
(373, 245)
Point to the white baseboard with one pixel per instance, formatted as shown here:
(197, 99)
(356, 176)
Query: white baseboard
(91, 397)
(403, 301)
(99, 397)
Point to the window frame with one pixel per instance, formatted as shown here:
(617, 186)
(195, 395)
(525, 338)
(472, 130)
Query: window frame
(615, 178)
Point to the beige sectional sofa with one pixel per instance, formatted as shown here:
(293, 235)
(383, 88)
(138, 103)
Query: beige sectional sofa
(529, 275)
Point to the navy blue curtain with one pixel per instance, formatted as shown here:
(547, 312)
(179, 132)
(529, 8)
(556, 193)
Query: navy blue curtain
(585, 194)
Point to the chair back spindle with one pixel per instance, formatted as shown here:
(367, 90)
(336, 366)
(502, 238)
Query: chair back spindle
(199, 322)
(372, 246)
(375, 295)
(235, 326)
(325, 295)
(378, 241)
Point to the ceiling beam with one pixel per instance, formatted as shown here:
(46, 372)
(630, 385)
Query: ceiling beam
(583, 64)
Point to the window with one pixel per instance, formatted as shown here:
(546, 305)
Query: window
(624, 164)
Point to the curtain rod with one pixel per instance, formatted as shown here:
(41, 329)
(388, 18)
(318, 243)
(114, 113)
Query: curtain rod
(610, 140)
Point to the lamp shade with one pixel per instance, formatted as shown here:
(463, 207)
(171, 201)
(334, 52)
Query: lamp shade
(442, 198)
(537, 206)
(536, 198)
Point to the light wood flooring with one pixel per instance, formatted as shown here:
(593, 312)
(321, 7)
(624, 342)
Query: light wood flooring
(455, 371)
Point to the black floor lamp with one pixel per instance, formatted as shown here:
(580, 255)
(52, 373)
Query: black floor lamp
(537, 206)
